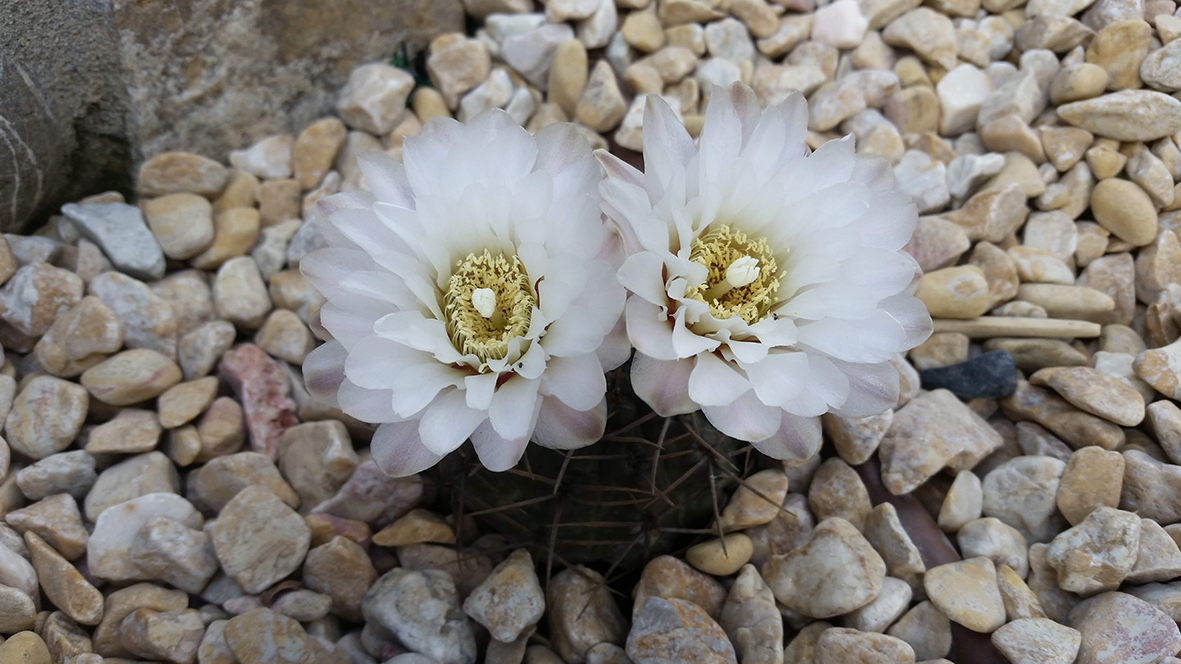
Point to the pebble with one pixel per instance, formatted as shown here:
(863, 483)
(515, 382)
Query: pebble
(1153, 176)
(199, 349)
(267, 637)
(925, 629)
(677, 630)
(315, 150)
(992, 214)
(926, 32)
(1123, 208)
(239, 294)
(183, 402)
(989, 375)
(17, 611)
(25, 648)
(110, 546)
(269, 158)
(1127, 115)
(1164, 419)
(342, 570)
(1095, 555)
(966, 592)
(119, 229)
(530, 53)
(750, 506)
(922, 178)
(173, 635)
(422, 610)
(146, 319)
(80, 338)
(285, 336)
(61, 582)
(1037, 641)
(1072, 425)
(582, 613)
(856, 438)
(752, 620)
(138, 476)
(568, 75)
(1092, 478)
(173, 172)
(509, 600)
(45, 417)
(837, 491)
(182, 224)
(1095, 392)
(33, 298)
(263, 389)
(1162, 68)
(721, 556)
(212, 486)
(374, 98)
(317, 458)
(259, 539)
(1117, 627)
(1156, 367)
(961, 92)
(55, 519)
(1157, 555)
(886, 608)
(839, 24)
(278, 202)
(915, 449)
(885, 533)
(835, 571)
(995, 540)
(963, 502)
(66, 472)
(838, 645)
(785, 532)
(1151, 488)
(1077, 82)
(130, 377)
(955, 292)
(1041, 266)
(668, 577)
(1022, 493)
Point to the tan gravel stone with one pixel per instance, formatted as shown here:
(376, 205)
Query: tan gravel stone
(55, 519)
(840, 645)
(1037, 640)
(837, 491)
(63, 584)
(259, 540)
(1092, 478)
(80, 338)
(182, 223)
(1020, 602)
(45, 416)
(749, 505)
(721, 556)
(955, 292)
(834, 572)
(1022, 491)
(1075, 427)
(130, 377)
(1161, 368)
(1095, 392)
(1098, 553)
(237, 230)
(1117, 627)
(582, 613)
(967, 593)
(1157, 555)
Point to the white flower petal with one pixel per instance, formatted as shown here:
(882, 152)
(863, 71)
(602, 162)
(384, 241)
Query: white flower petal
(386, 179)
(716, 382)
(560, 427)
(615, 349)
(513, 405)
(365, 404)
(746, 418)
(398, 451)
(478, 389)
(577, 381)
(667, 145)
(350, 318)
(649, 329)
(688, 343)
(643, 274)
(663, 384)
(778, 377)
(496, 453)
(797, 439)
(873, 388)
(447, 422)
(323, 371)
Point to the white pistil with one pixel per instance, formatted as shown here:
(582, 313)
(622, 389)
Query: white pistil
(484, 300)
(742, 272)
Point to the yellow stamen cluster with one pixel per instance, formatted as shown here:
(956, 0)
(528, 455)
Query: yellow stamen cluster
(473, 332)
(718, 249)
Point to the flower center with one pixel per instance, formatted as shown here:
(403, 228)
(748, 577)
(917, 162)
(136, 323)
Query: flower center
(488, 303)
(743, 276)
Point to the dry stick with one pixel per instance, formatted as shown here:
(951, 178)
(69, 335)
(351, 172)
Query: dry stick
(656, 455)
(713, 490)
(1004, 326)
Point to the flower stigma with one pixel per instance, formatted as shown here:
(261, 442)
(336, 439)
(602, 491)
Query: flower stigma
(743, 276)
(488, 303)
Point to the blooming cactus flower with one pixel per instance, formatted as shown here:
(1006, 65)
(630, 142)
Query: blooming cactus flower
(471, 294)
(768, 285)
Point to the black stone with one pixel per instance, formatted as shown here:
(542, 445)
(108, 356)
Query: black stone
(993, 374)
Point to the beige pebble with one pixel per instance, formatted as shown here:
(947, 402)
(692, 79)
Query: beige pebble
(415, 527)
(130, 377)
(237, 231)
(1093, 477)
(755, 503)
(131, 431)
(955, 292)
(1123, 208)
(721, 556)
(966, 591)
(182, 403)
(182, 223)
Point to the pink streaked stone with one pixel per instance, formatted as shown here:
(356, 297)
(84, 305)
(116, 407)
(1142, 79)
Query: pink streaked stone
(264, 390)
